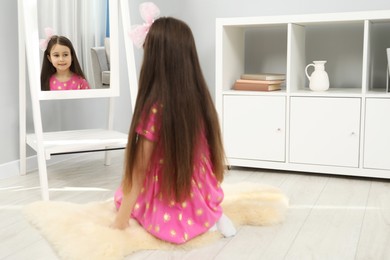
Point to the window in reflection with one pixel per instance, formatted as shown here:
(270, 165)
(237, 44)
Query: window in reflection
(60, 67)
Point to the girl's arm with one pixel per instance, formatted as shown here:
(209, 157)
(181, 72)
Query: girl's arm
(144, 152)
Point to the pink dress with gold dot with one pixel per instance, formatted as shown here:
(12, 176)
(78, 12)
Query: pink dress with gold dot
(172, 221)
(75, 82)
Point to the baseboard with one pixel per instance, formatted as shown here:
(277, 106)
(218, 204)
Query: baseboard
(11, 169)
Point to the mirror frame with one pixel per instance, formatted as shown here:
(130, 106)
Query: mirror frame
(29, 8)
(129, 51)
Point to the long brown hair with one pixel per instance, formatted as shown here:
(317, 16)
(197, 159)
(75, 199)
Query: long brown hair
(47, 67)
(171, 75)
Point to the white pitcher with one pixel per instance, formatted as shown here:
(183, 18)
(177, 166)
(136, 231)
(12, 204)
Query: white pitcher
(319, 80)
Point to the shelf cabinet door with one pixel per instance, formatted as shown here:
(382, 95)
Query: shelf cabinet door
(325, 131)
(254, 127)
(377, 134)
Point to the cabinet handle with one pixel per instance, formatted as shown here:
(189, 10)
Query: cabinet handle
(278, 129)
(353, 133)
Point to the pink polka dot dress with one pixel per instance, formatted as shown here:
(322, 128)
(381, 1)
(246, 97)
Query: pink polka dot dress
(74, 83)
(172, 221)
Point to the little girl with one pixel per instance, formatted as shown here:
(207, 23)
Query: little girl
(174, 161)
(60, 67)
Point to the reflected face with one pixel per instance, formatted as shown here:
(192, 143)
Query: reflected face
(61, 58)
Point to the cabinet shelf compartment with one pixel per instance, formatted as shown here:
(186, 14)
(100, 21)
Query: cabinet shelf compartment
(252, 49)
(339, 43)
(312, 141)
(379, 40)
(255, 127)
(266, 49)
(376, 139)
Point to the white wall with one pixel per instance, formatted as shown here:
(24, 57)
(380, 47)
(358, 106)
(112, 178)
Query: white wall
(199, 14)
(9, 119)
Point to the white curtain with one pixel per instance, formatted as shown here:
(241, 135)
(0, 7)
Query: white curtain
(82, 21)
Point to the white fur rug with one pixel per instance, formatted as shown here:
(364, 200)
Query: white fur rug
(81, 231)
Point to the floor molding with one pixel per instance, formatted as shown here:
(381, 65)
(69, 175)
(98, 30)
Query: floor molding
(11, 169)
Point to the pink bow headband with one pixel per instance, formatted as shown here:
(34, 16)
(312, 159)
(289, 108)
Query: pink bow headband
(149, 12)
(49, 32)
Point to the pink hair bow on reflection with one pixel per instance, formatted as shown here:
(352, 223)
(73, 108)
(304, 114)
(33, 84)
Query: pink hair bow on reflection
(149, 12)
(49, 32)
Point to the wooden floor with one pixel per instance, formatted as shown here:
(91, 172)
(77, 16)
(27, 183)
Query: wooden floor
(329, 217)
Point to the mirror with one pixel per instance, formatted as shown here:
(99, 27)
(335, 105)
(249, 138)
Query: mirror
(83, 22)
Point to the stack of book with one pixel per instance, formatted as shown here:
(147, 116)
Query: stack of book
(260, 82)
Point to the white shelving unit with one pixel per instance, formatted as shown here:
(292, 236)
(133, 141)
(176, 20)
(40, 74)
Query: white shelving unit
(344, 130)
